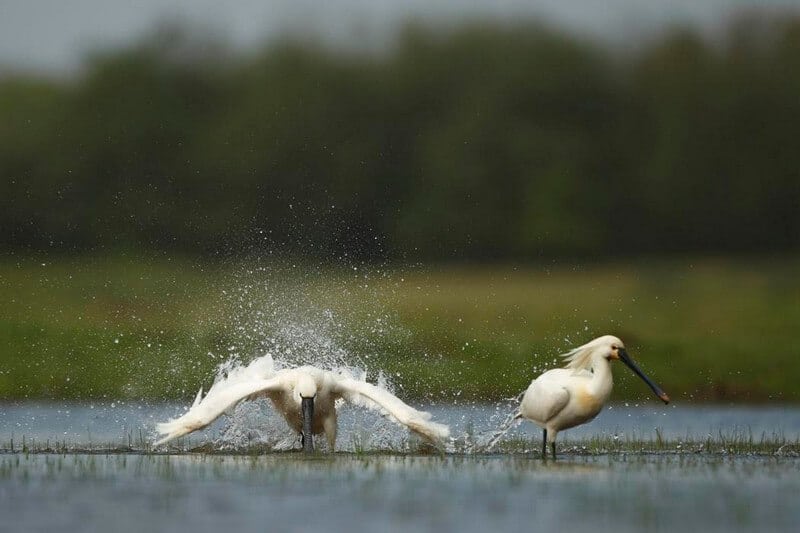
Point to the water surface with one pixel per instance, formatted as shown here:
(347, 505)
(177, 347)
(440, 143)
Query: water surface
(346, 492)
(124, 423)
(379, 489)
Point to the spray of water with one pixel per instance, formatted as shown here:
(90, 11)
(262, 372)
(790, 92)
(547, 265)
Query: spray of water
(336, 320)
(283, 316)
(511, 420)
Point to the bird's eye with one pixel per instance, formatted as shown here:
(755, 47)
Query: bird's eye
(613, 346)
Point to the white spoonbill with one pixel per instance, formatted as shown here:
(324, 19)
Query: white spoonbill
(567, 397)
(306, 397)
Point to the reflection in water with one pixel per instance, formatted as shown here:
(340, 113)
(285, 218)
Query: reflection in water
(288, 492)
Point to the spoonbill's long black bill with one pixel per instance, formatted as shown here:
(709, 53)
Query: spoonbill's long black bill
(308, 417)
(623, 355)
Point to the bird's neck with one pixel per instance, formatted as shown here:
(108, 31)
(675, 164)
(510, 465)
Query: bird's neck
(601, 383)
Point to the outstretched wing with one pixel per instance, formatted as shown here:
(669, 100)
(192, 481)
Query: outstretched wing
(221, 397)
(419, 422)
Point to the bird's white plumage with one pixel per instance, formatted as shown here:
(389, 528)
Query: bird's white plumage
(280, 386)
(566, 397)
(546, 396)
(356, 391)
(580, 358)
(218, 401)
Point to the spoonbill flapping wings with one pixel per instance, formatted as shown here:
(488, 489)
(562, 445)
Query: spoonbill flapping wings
(567, 397)
(306, 397)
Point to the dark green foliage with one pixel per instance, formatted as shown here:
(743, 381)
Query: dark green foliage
(482, 143)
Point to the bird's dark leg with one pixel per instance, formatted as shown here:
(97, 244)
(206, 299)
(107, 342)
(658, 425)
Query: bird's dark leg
(544, 444)
(553, 449)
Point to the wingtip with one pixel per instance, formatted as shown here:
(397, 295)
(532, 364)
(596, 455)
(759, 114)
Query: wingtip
(432, 431)
(198, 397)
(165, 440)
(167, 432)
(173, 429)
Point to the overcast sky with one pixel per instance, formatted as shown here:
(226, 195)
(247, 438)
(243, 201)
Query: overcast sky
(54, 35)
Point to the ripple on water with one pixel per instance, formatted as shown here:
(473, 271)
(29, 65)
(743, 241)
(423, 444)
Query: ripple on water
(288, 492)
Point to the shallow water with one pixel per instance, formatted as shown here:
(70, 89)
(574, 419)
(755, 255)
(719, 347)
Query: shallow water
(380, 491)
(126, 423)
(346, 492)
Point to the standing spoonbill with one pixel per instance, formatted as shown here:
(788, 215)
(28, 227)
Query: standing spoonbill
(567, 397)
(306, 397)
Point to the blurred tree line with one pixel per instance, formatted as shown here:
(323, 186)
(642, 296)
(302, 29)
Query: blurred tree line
(482, 143)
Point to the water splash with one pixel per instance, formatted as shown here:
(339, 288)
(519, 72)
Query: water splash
(295, 315)
(254, 423)
(511, 420)
(335, 320)
(508, 412)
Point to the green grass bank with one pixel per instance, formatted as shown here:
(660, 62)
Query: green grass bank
(706, 329)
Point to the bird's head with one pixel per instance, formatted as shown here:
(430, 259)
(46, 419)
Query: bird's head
(585, 357)
(607, 346)
(305, 387)
(611, 348)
